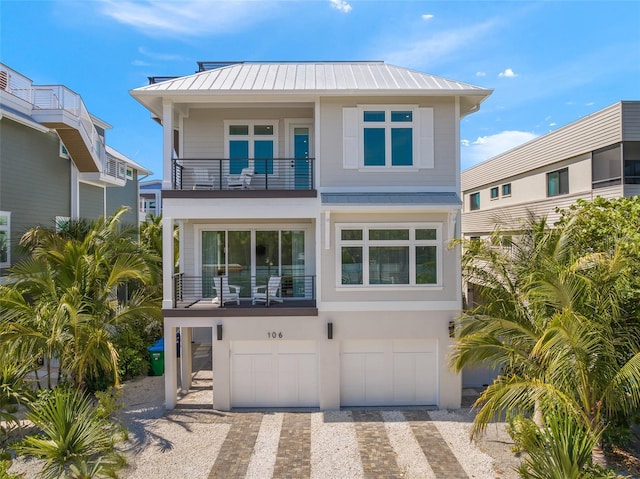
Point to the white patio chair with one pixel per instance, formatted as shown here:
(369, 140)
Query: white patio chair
(223, 288)
(241, 182)
(201, 179)
(268, 293)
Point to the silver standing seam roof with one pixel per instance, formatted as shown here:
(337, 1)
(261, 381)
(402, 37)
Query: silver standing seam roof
(311, 76)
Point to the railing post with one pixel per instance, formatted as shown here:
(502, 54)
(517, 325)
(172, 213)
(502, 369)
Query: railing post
(220, 174)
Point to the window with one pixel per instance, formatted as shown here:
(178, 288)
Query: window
(495, 193)
(63, 151)
(606, 167)
(506, 189)
(558, 182)
(62, 223)
(247, 140)
(631, 151)
(5, 231)
(400, 255)
(474, 201)
(388, 137)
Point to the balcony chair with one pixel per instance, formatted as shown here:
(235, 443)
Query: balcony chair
(221, 284)
(268, 293)
(201, 179)
(241, 182)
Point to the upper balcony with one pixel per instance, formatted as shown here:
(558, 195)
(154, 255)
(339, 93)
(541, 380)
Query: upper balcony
(59, 108)
(243, 177)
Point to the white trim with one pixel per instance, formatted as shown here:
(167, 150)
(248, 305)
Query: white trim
(251, 138)
(414, 124)
(338, 306)
(6, 228)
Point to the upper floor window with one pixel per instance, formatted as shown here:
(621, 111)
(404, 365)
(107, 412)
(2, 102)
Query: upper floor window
(558, 182)
(388, 136)
(245, 140)
(506, 189)
(474, 201)
(389, 255)
(5, 231)
(631, 150)
(495, 193)
(606, 167)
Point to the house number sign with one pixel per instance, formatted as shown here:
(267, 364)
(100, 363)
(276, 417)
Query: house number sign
(275, 335)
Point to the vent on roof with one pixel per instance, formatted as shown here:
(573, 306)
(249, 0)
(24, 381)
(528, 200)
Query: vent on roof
(153, 80)
(204, 66)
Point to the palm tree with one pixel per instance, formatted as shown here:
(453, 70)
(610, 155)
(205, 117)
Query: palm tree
(554, 323)
(74, 437)
(62, 302)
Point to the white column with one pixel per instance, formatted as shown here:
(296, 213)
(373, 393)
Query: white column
(167, 143)
(167, 262)
(221, 372)
(185, 359)
(170, 369)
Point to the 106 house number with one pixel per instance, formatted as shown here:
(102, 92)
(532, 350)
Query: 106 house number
(275, 335)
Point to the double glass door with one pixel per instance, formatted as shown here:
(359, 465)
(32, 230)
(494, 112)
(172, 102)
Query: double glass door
(250, 257)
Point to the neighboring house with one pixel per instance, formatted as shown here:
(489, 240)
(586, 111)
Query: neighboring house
(150, 198)
(598, 155)
(54, 164)
(326, 195)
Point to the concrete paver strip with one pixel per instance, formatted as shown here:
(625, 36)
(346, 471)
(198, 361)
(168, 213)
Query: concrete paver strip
(442, 461)
(237, 449)
(376, 453)
(294, 450)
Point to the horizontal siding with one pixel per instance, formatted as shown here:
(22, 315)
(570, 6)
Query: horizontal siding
(511, 217)
(35, 183)
(631, 190)
(203, 135)
(91, 201)
(631, 120)
(595, 131)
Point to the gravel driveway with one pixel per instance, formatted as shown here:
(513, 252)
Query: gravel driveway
(194, 441)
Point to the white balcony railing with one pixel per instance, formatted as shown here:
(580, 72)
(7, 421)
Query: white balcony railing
(61, 98)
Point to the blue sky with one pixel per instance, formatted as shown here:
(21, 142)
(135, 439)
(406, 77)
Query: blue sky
(548, 62)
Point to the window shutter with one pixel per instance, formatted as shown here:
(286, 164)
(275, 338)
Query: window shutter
(350, 138)
(426, 146)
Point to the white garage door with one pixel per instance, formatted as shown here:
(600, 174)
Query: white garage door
(274, 374)
(389, 373)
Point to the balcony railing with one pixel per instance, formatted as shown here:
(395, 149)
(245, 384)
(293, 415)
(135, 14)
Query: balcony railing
(201, 292)
(227, 174)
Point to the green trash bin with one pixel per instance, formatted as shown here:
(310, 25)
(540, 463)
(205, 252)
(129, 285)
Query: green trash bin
(156, 355)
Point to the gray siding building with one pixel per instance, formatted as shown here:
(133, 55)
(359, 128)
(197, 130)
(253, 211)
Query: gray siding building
(49, 169)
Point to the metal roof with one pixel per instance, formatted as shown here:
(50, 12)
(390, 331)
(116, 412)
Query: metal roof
(417, 198)
(311, 77)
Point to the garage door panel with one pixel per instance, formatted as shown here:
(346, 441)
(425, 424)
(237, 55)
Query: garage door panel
(274, 373)
(379, 373)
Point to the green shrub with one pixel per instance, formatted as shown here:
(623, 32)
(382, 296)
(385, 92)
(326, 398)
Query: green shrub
(561, 450)
(73, 433)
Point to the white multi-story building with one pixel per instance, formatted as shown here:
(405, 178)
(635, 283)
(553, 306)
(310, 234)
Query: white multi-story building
(315, 203)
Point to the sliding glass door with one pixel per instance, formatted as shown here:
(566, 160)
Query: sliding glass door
(250, 257)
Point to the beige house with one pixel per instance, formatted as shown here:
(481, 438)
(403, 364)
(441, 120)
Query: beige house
(315, 203)
(598, 155)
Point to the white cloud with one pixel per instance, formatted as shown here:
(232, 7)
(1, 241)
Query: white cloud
(486, 147)
(508, 73)
(187, 18)
(481, 74)
(425, 52)
(341, 5)
(427, 16)
(553, 123)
